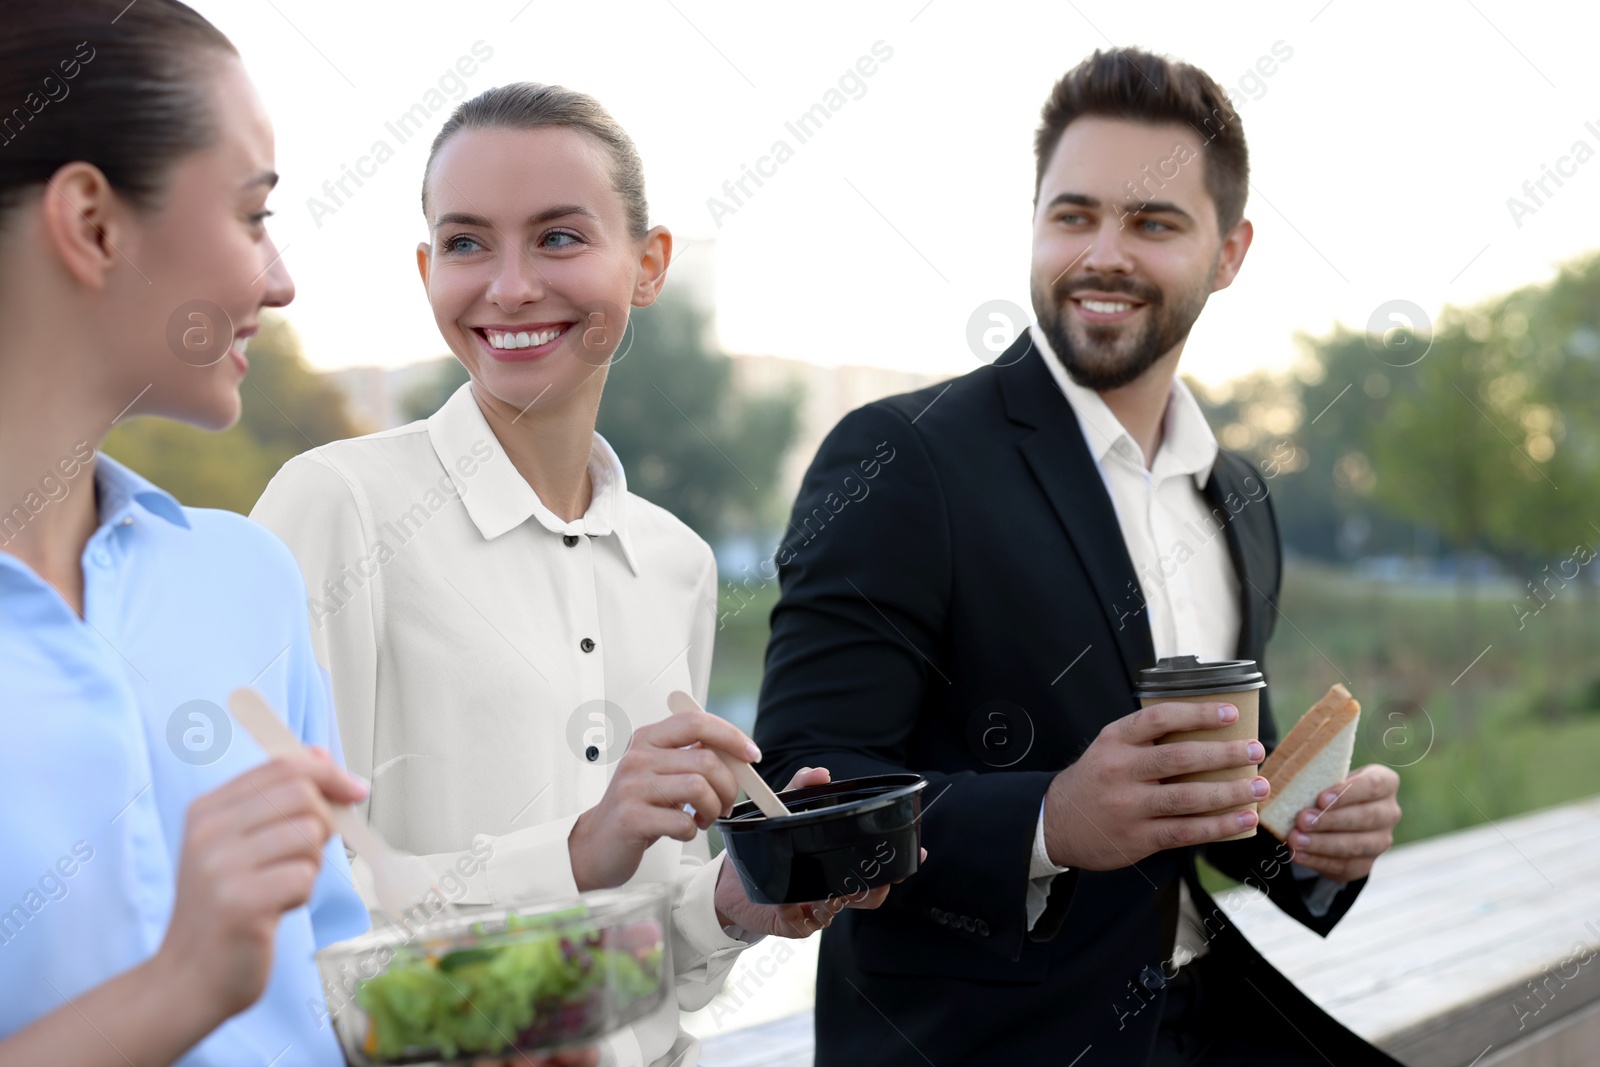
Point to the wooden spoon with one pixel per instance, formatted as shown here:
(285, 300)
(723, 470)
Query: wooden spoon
(402, 881)
(679, 702)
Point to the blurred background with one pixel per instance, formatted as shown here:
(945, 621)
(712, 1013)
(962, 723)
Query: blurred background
(1411, 353)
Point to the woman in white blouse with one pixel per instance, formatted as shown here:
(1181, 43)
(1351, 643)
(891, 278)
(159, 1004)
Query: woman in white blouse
(503, 620)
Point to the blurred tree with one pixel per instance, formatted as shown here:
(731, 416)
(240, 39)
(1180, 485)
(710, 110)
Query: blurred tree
(687, 439)
(1551, 339)
(1307, 431)
(1462, 450)
(1487, 439)
(424, 399)
(1437, 454)
(1557, 421)
(287, 409)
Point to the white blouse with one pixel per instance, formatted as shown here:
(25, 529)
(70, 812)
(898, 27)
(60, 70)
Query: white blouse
(487, 669)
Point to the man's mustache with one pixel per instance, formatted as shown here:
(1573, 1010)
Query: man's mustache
(1144, 293)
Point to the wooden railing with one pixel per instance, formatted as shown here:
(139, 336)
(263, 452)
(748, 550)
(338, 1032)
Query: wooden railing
(1479, 948)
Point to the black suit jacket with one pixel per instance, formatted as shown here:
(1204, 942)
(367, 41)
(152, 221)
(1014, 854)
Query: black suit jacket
(957, 600)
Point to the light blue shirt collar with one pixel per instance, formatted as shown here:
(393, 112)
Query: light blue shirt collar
(121, 489)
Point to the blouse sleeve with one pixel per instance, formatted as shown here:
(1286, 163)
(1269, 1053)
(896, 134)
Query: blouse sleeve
(337, 913)
(323, 520)
(323, 517)
(703, 630)
(335, 910)
(702, 952)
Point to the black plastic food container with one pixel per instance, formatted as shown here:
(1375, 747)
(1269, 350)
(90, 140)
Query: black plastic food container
(841, 839)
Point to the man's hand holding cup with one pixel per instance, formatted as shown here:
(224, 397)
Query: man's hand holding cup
(1111, 808)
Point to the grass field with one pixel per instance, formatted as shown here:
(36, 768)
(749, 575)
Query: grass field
(1485, 711)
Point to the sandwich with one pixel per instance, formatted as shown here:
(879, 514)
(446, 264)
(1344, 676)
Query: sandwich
(1315, 755)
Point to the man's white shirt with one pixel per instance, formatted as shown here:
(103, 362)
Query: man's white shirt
(1187, 584)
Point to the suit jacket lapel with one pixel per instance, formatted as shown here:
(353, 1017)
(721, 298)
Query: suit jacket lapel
(1249, 536)
(1060, 460)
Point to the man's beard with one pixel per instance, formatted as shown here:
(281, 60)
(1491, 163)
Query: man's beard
(1108, 357)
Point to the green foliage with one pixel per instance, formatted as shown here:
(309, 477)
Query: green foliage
(1490, 443)
(1510, 730)
(1515, 731)
(687, 440)
(287, 409)
(430, 396)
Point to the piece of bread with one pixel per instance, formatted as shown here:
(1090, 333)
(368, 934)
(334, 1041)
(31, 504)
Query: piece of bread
(1313, 756)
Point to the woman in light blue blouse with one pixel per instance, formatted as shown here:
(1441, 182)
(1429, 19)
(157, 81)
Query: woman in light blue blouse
(163, 887)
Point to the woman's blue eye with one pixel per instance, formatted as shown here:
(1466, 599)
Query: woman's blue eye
(566, 239)
(457, 243)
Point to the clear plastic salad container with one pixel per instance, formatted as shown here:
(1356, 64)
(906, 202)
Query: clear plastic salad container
(496, 980)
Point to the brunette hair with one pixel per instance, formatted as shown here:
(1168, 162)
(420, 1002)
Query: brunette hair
(1131, 84)
(529, 106)
(105, 82)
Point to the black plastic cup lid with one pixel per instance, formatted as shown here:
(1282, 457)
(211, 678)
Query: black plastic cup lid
(1186, 676)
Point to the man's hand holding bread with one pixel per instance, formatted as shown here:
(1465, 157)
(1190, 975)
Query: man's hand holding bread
(1350, 820)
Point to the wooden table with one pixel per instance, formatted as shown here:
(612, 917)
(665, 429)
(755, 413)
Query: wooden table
(1479, 948)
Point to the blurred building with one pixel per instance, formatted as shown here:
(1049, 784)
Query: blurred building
(376, 395)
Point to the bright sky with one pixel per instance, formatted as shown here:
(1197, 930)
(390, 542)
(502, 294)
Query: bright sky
(1383, 151)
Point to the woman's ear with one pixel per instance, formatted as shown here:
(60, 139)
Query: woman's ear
(424, 262)
(83, 222)
(653, 260)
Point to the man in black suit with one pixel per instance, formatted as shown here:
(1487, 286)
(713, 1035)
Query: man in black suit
(974, 576)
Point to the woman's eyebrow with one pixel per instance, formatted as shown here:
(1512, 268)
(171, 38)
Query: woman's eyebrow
(269, 178)
(462, 218)
(557, 212)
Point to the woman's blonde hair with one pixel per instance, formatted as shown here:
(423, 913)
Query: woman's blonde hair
(529, 106)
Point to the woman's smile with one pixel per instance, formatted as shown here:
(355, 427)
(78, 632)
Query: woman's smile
(518, 343)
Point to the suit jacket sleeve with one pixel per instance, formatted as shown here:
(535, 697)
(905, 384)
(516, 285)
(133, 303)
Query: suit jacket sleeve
(857, 672)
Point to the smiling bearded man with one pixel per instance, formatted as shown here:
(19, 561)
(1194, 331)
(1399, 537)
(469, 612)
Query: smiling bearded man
(1049, 529)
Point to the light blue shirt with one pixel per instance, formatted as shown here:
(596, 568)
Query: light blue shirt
(112, 724)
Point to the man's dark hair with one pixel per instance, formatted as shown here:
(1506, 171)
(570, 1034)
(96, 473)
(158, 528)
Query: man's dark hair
(1131, 84)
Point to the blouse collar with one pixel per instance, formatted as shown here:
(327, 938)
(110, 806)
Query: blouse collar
(500, 499)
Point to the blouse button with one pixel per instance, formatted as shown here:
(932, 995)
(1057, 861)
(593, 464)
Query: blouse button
(591, 753)
(587, 644)
(570, 540)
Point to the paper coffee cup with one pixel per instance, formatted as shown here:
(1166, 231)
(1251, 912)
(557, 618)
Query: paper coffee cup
(1238, 682)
